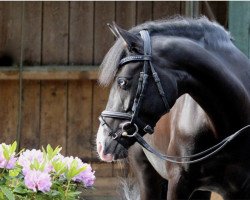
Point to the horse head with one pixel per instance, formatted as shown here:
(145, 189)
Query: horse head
(136, 100)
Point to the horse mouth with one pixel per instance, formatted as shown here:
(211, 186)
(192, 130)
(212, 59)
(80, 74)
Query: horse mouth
(111, 152)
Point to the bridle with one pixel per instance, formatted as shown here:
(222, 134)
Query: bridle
(137, 123)
(148, 69)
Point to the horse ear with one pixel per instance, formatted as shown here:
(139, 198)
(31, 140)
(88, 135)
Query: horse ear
(131, 41)
(113, 30)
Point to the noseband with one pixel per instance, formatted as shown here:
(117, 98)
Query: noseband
(134, 120)
(140, 93)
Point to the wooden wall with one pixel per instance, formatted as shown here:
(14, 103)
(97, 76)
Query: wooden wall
(47, 41)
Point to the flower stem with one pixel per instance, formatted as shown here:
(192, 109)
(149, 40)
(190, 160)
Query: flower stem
(67, 188)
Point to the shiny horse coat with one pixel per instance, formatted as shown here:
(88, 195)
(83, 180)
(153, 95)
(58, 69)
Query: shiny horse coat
(196, 57)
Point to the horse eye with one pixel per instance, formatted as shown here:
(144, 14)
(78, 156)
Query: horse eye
(122, 82)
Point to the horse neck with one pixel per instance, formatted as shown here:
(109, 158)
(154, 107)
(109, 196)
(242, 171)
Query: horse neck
(212, 84)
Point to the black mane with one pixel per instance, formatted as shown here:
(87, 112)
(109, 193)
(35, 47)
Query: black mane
(212, 34)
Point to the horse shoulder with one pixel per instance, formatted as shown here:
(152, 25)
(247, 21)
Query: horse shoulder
(184, 122)
(188, 119)
(159, 140)
(188, 122)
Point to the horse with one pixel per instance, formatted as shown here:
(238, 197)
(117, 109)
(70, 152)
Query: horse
(190, 69)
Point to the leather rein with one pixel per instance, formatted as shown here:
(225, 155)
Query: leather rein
(136, 122)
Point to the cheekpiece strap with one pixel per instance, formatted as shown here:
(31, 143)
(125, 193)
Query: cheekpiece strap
(147, 42)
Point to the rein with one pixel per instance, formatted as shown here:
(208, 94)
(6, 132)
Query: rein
(206, 153)
(136, 122)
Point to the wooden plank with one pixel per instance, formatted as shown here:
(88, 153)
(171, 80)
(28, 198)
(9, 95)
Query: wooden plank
(30, 129)
(9, 91)
(32, 30)
(79, 136)
(10, 30)
(216, 10)
(50, 73)
(55, 33)
(10, 40)
(165, 9)
(81, 33)
(104, 13)
(144, 11)
(106, 188)
(53, 114)
(54, 93)
(190, 8)
(125, 14)
(239, 18)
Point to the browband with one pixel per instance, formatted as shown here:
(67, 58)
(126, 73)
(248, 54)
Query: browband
(134, 59)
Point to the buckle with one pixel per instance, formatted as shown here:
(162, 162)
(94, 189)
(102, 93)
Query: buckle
(148, 129)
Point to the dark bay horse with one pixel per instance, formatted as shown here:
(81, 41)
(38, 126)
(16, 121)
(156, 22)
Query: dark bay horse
(151, 67)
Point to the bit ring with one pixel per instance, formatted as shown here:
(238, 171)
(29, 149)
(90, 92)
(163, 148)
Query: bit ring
(125, 133)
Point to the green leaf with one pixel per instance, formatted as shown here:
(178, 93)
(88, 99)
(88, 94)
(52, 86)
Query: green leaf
(49, 153)
(6, 152)
(72, 195)
(7, 193)
(20, 190)
(54, 193)
(35, 165)
(44, 151)
(14, 172)
(13, 148)
(56, 151)
(59, 166)
(1, 195)
(81, 170)
(72, 171)
(49, 150)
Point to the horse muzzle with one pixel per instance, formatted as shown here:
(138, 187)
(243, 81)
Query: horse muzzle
(108, 148)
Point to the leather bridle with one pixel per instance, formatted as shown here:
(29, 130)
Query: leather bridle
(148, 69)
(136, 122)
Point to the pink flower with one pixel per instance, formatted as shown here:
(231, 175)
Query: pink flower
(37, 180)
(4, 163)
(29, 156)
(11, 163)
(87, 177)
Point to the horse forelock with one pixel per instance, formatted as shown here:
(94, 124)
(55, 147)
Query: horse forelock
(212, 33)
(110, 63)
